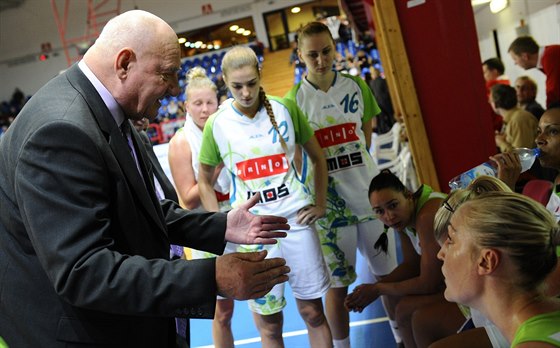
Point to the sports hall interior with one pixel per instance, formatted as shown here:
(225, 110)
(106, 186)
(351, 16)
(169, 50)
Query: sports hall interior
(429, 51)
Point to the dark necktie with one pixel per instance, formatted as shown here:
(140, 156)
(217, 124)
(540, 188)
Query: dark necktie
(125, 130)
(126, 133)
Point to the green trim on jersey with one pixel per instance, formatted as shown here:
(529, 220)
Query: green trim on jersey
(211, 158)
(540, 328)
(426, 193)
(302, 130)
(371, 108)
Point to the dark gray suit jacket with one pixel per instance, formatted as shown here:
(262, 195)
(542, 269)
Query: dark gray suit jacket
(84, 242)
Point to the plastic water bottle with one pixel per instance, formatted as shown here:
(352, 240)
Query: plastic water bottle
(526, 157)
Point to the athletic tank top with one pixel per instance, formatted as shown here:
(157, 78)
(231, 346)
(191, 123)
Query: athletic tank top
(427, 193)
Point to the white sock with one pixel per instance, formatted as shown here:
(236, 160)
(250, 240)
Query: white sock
(395, 329)
(343, 343)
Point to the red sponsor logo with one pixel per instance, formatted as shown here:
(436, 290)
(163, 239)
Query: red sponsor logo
(335, 135)
(262, 167)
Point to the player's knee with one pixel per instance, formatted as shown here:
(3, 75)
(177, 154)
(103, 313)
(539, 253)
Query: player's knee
(312, 316)
(223, 316)
(403, 313)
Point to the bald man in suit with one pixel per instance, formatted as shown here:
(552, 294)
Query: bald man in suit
(84, 241)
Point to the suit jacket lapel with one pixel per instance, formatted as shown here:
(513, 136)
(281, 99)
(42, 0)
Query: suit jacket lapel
(146, 168)
(159, 173)
(118, 146)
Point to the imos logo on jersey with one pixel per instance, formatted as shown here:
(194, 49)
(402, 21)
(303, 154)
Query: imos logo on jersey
(262, 167)
(335, 135)
(344, 161)
(271, 194)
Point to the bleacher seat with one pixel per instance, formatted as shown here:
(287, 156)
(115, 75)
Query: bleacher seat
(386, 147)
(154, 133)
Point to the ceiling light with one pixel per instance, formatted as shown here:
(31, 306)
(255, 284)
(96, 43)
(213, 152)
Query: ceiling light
(182, 40)
(498, 5)
(296, 9)
(234, 27)
(246, 33)
(479, 2)
(240, 30)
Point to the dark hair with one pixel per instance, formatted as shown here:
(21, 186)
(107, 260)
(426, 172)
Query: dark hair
(495, 64)
(504, 96)
(386, 179)
(524, 44)
(313, 28)
(530, 82)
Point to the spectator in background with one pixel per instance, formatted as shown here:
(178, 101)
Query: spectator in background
(339, 63)
(527, 54)
(369, 42)
(17, 101)
(520, 125)
(297, 64)
(493, 71)
(380, 90)
(526, 89)
(345, 34)
(362, 60)
(221, 88)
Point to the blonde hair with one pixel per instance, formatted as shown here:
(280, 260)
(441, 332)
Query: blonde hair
(520, 227)
(478, 186)
(240, 57)
(197, 79)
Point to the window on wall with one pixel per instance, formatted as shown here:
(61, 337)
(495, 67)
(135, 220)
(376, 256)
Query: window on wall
(215, 37)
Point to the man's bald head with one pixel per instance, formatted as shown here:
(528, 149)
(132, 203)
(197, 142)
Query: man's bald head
(136, 58)
(139, 30)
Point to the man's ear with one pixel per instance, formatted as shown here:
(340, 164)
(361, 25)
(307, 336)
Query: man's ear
(488, 261)
(122, 64)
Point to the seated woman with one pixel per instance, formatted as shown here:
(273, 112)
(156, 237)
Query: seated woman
(500, 248)
(430, 324)
(417, 281)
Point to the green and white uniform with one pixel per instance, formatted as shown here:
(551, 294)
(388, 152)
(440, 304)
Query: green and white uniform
(253, 155)
(540, 328)
(193, 136)
(337, 117)
(426, 194)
